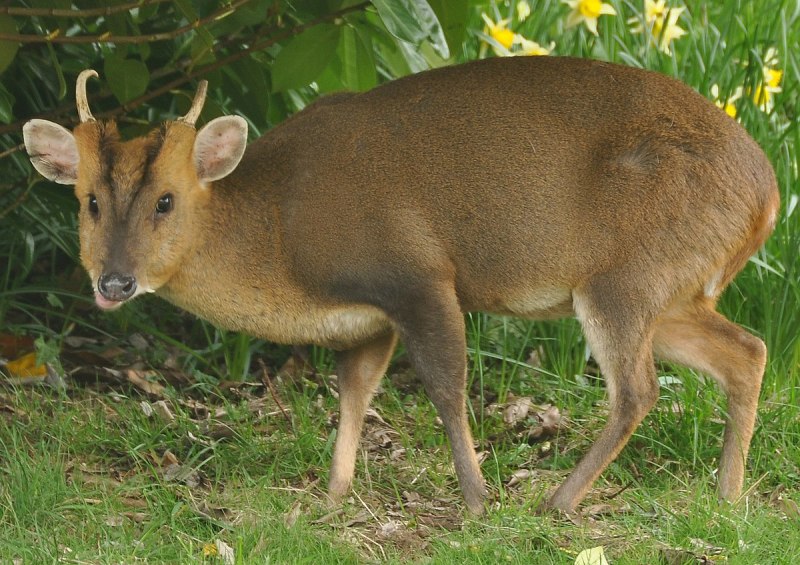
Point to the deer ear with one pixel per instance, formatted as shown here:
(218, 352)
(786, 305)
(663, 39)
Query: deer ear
(219, 147)
(52, 150)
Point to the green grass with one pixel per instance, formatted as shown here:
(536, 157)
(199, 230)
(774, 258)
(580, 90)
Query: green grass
(86, 473)
(82, 477)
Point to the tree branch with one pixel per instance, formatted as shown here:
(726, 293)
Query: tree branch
(89, 13)
(185, 78)
(56, 37)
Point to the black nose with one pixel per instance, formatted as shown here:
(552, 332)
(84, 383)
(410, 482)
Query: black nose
(114, 286)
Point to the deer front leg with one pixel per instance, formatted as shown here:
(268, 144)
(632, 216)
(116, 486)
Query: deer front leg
(360, 369)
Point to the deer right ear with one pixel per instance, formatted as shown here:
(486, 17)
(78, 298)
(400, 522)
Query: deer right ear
(52, 150)
(219, 147)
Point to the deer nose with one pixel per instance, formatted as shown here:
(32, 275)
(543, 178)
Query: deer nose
(117, 287)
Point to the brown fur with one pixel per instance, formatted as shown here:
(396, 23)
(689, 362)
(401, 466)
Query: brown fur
(537, 187)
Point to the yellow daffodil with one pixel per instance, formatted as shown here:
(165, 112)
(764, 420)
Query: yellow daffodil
(770, 82)
(506, 43)
(522, 46)
(528, 47)
(523, 10)
(727, 104)
(654, 10)
(586, 12)
(499, 32)
(662, 22)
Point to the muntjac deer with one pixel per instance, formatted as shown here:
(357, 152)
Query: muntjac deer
(539, 187)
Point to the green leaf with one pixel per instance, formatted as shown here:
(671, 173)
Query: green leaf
(6, 105)
(413, 21)
(433, 29)
(305, 57)
(358, 63)
(253, 99)
(453, 16)
(188, 11)
(399, 17)
(8, 49)
(62, 83)
(127, 78)
(331, 78)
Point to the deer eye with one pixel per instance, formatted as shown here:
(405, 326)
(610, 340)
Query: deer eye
(164, 204)
(93, 209)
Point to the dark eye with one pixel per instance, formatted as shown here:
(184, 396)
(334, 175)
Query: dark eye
(164, 205)
(93, 205)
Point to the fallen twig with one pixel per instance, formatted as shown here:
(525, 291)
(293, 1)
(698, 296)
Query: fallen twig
(268, 383)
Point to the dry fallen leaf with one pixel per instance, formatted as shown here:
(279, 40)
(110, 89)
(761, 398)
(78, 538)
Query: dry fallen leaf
(115, 521)
(292, 515)
(137, 517)
(518, 476)
(133, 502)
(535, 357)
(779, 500)
(138, 342)
(549, 418)
(517, 410)
(183, 474)
(168, 459)
(139, 380)
(597, 510)
(164, 413)
(390, 528)
(147, 410)
(593, 556)
(12, 346)
(225, 552)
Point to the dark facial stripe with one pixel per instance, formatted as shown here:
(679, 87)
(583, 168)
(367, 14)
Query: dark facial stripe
(107, 148)
(126, 171)
(152, 152)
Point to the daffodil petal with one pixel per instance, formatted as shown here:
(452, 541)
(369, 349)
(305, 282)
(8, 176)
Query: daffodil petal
(574, 18)
(608, 10)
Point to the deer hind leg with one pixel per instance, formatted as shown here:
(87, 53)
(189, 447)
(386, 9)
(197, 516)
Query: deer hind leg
(698, 337)
(620, 338)
(432, 328)
(360, 369)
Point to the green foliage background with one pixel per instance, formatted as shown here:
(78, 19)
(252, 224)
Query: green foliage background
(266, 59)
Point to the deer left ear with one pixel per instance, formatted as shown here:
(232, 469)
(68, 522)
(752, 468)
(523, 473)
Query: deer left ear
(219, 147)
(52, 150)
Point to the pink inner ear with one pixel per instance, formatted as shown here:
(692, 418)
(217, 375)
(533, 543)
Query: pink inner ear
(61, 152)
(219, 147)
(52, 150)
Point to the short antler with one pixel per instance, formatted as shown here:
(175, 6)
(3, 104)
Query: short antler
(84, 113)
(197, 105)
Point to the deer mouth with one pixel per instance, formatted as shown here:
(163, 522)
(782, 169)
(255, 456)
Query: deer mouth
(105, 304)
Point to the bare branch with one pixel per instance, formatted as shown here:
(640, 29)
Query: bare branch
(89, 13)
(65, 108)
(56, 37)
